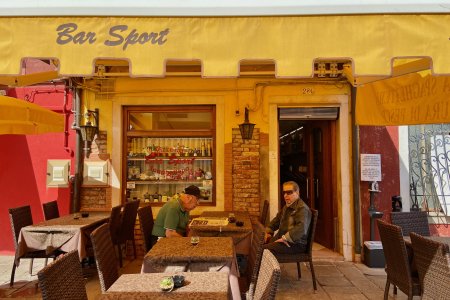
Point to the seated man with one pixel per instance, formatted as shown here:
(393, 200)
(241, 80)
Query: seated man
(173, 217)
(292, 223)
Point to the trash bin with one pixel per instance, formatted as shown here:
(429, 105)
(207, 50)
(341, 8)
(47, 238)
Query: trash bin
(396, 203)
(373, 254)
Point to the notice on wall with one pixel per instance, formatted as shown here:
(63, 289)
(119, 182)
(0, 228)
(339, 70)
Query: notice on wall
(370, 167)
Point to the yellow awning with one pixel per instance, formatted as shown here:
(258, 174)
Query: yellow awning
(221, 43)
(22, 117)
(28, 79)
(404, 100)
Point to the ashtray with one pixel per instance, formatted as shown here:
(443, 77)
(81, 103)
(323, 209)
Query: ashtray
(239, 223)
(166, 284)
(178, 280)
(84, 214)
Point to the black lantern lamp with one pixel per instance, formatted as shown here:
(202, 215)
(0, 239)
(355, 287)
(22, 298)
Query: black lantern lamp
(88, 131)
(246, 128)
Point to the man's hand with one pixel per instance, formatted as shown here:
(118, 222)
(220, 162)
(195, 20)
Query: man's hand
(283, 241)
(172, 233)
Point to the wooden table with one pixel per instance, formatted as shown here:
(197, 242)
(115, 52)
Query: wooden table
(242, 236)
(65, 233)
(211, 255)
(214, 251)
(198, 285)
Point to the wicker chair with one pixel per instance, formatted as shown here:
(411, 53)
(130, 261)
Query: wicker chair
(146, 222)
(50, 210)
(115, 222)
(20, 217)
(105, 256)
(398, 263)
(304, 256)
(412, 221)
(268, 278)
(126, 230)
(248, 282)
(433, 264)
(264, 212)
(63, 279)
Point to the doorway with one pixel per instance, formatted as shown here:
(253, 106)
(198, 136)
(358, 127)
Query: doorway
(307, 156)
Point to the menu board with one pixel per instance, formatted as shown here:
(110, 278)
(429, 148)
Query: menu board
(370, 167)
(210, 221)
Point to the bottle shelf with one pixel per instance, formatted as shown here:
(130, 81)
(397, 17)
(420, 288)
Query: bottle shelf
(156, 182)
(179, 158)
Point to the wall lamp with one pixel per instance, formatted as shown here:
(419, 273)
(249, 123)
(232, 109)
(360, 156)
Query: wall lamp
(246, 128)
(89, 130)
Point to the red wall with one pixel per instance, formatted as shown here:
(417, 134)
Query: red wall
(384, 141)
(23, 162)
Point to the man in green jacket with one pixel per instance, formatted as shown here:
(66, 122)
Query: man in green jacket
(173, 218)
(292, 223)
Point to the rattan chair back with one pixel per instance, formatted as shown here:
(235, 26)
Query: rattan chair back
(264, 212)
(307, 255)
(105, 256)
(63, 279)
(20, 217)
(115, 222)
(433, 264)
(128, 221)
(126, 230)
(51, 210)
(398, 263)
(268, 277)
(255, 256)
(412, 221)
(146, 223)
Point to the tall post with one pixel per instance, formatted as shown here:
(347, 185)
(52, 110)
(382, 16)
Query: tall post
(373, 213)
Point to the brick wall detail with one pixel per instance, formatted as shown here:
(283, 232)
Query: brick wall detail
(97, 198)
(246, 173)
(228, 177)
(99, 145)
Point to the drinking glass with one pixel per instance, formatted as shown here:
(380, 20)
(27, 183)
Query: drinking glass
(195, 240)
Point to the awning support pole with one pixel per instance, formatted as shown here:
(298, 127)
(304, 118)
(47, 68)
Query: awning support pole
(78, 175)
(356, 193)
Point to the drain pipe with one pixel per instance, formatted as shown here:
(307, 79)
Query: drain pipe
(78, 174)
(356, 190)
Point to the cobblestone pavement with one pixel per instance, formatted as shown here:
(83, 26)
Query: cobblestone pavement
(336, 278)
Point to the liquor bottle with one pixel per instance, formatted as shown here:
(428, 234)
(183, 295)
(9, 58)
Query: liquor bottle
(202, 149)
(209, 149)
(156, 196)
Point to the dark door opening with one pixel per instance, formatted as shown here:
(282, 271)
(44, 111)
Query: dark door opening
(307, 157)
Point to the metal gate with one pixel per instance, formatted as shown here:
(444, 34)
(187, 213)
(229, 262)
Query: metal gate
(429, 161)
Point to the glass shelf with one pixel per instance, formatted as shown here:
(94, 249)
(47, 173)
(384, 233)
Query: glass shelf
(166, 149)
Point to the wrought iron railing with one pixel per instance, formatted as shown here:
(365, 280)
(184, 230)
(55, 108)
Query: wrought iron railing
(429, 161)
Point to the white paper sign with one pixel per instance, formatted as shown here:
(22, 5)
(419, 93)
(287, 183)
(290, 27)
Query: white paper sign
(370, 167)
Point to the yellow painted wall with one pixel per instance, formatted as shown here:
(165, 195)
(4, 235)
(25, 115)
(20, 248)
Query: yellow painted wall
(228, 95)
(236, 93)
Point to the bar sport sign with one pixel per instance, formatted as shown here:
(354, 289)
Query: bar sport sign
(118, 36)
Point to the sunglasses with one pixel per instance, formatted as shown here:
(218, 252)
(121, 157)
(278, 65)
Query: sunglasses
(288, 192)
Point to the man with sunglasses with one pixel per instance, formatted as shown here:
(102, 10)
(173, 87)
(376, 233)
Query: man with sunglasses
(173, 218)
(291, 223)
